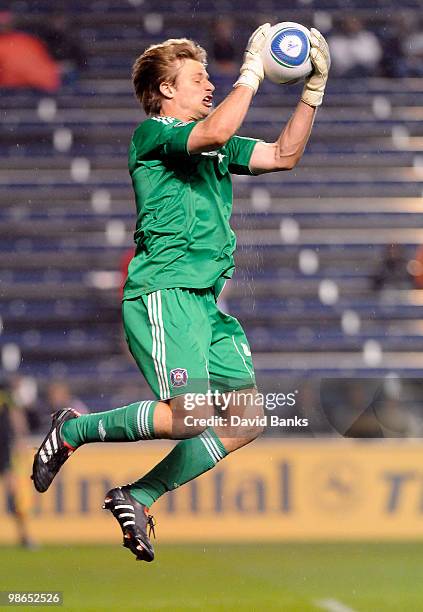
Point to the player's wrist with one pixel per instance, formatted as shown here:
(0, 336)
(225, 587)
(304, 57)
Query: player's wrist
(314, 89)
(251, 74)
(248, 79)
(312, 98)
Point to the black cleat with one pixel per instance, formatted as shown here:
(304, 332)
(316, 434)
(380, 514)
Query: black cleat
(53, 452)
(133, 519)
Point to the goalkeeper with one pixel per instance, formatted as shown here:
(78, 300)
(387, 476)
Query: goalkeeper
(181, 159)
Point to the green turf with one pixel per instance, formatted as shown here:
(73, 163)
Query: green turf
(288, 577)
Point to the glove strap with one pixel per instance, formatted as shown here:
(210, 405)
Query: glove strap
(249, 79)
(312, 98)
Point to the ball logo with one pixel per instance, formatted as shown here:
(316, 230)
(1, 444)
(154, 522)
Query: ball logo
(291, 46)
(178, 377)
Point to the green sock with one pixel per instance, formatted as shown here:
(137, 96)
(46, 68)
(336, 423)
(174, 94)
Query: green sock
(186, 461)
(130, 423)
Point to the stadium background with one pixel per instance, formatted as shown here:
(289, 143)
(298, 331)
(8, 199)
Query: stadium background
(315, 288)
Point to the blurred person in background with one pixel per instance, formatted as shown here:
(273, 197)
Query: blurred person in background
(393, 269)
(63, 43)
(393, 34)
(223, 46)
(413, 48)
(13, 429)
(59, 396)
(355, 51)
(402, 40)
(24, 60)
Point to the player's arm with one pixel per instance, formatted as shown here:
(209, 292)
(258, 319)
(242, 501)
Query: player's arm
(225, 120)
(287, 151)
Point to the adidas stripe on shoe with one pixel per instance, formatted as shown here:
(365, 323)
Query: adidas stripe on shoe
(133, 518)
(53, 452)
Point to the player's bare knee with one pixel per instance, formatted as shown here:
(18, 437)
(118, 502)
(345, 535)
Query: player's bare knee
(256, 427)
(249, 420)
(189, 418)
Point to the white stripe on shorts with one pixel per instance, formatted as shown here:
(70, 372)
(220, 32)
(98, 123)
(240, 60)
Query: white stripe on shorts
(162, 341)
(155, 333)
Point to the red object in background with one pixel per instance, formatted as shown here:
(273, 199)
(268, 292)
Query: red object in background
(124, 263)
(24, 62)
(418, 268)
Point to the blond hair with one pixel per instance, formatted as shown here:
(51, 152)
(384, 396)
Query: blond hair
(157, 64)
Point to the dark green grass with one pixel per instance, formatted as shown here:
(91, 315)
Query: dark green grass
(289, 577)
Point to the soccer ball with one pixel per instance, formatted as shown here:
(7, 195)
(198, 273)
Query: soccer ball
(286, 53)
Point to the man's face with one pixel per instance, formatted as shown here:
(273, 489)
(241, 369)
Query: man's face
(192, 92)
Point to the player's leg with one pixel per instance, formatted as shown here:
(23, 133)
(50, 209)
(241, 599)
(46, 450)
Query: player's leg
(130, 504)
(231, 367)
(162, 334)
(175, 365)
(241, 404)
(193, 457)
(164, 331)
(69, 430)
(187, 460)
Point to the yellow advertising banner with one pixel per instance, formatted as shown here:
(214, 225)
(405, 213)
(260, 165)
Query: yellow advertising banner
(283, 490)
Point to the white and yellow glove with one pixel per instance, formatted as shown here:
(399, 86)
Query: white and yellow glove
(252, 71)
(315, 84)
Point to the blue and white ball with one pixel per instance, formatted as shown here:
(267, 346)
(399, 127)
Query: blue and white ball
(286, 53)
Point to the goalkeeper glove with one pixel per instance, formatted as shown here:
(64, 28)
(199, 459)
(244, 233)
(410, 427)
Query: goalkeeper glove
(315, 84)
(252, 71)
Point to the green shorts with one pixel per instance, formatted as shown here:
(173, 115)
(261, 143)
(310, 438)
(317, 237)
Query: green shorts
(183, 343)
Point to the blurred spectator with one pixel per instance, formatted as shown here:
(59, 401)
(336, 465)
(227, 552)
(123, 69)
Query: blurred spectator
(59, 396)
(403, 46)
(413, 48)
(13, 428)
(24, 60)
(223, 46)
(64, 45)
(393, 269)
(355, 51)
(24, 391)
(394, 63)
